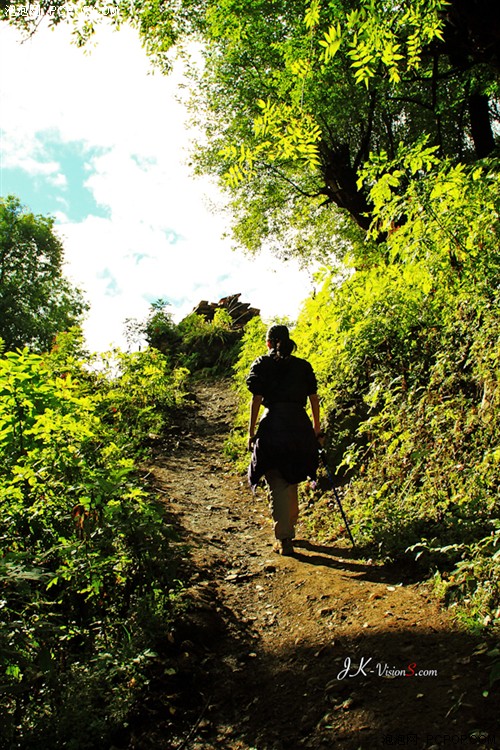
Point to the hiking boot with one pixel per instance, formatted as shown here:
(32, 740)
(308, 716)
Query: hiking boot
(284, 547)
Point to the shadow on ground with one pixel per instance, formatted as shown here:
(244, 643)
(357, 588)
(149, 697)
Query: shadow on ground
(413, 687)
(381, 689)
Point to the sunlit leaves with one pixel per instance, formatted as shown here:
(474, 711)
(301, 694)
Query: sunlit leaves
(383, 176)
(446, 211)
(242, 160)
(379, 33)
(292, 134)
(312, 14)
(36, 301)
(304, 90)
(331, 42)
(406, 352)
(85, 547)
(300, 68)
(375, 44)
(282, 135)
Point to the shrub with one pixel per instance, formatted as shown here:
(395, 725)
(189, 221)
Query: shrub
(87, 573)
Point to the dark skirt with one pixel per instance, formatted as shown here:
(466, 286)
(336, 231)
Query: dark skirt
(285, 441)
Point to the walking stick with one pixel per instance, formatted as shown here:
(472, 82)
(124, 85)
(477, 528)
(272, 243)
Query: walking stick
(322, 455)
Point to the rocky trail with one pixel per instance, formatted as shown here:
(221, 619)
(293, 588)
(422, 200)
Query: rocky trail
(321, 650)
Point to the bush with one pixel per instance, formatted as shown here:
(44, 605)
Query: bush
(87, 573)
(138, 394)
(209, 345)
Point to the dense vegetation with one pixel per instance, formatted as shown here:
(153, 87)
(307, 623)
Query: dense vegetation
(295, 98)
(197, 343)
(87, 574)
(405, 343)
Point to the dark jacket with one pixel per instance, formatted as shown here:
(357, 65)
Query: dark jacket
(285, 438)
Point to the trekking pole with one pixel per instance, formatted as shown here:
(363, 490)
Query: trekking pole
(322, 454)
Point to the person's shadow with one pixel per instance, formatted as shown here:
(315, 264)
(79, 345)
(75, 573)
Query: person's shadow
(342, 558)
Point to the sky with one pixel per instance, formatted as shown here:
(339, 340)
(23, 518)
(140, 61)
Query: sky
(99, 141)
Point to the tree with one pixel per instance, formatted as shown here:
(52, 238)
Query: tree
(158, 330)
(294, 100)
(296, 104)
(36, 301)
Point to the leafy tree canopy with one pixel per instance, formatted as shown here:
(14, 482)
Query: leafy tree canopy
(294, 98)
(296, 103)
(36, 301)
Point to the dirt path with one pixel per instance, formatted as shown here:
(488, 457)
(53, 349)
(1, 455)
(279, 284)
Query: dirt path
(303, 652)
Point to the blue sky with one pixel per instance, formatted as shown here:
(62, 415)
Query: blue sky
(64, 191)
(98, 141)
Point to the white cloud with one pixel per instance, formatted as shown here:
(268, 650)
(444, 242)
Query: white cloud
(58, 180)
(160, 239)
(14, 157)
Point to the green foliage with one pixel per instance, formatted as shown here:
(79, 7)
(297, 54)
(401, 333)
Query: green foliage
(339, 85)
(407, 354)
(254, 345)
(36, 301)
(380, 36)
(404, 342)
(159, 330)
(372, 37)
(138, 392)
(209, 344)
(294, 98)
(470, 573)
(447, 219)
(281, 135)
(194, 345)
(87, 573)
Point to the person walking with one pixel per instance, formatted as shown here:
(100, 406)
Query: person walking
(285, 445)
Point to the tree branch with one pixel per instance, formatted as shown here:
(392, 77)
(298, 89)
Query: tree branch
(270, 168)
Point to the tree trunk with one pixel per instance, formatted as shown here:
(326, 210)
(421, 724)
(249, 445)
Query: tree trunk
(480, 124)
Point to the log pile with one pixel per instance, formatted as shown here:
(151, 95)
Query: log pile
(240, 312)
